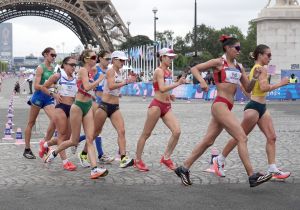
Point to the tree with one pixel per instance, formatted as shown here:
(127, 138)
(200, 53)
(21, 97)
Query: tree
(135, 41)
(164, 36)
(248, 45)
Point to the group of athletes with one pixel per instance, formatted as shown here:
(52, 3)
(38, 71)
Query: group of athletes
(89, 96)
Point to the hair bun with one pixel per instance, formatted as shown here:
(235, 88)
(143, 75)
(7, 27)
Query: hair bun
(224, 37)
(251, 55)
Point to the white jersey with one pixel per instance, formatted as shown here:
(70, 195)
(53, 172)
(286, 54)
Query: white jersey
(115, 92)
(66, 87)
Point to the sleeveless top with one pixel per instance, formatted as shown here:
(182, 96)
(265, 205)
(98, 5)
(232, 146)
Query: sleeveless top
(228, 74)
(67, 87)
(115, 92)
(46, 73)
(167, 80)
(97, 75)
(81, 88)
(256, 90)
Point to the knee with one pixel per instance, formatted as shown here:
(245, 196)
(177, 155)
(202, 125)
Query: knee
(146, 134)
(271, 139)
(31, 124)
(176, 133)
(121, 132)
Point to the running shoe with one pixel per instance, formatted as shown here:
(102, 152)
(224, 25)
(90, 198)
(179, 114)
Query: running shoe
(98, 172)
(218, 167)
(84, 161)
(126, 162)
(106, 159)
(28, 154)
(169, 163)
(49, 157)
(69, 166)
(184, 175)
(280, 174)
(259, 178)
(43, 150)
(140, 165)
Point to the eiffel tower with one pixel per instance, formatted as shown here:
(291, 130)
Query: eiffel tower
(95, 22)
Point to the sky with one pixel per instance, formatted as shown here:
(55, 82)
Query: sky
(33, 34)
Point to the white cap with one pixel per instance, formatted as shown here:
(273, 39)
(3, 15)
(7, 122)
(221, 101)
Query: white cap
(167, 51)
(119, 55)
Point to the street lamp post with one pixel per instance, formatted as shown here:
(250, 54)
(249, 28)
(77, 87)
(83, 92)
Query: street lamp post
(128, 31)
(154, 10)
(195, 29)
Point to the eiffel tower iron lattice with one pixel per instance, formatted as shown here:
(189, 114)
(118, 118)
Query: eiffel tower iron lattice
(95, 22)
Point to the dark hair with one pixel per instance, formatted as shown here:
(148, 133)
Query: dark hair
(260, 49)
(66, 60)
(227, 41)
(101, 54)
(85, 53)
(47, 50)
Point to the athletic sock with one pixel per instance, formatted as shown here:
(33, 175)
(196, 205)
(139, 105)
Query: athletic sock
(273, 168)
(83, 153)
(221, 158)
(46, 144)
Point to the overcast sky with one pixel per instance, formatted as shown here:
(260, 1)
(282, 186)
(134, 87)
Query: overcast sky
(33, 34)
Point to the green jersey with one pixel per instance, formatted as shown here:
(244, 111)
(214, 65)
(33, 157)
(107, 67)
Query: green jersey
(46, 73)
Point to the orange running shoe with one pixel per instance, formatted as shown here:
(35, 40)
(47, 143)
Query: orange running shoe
(280, 174)
(169, 163)
(43, 150)
(98, 172)
(140, 165)
(69, 166)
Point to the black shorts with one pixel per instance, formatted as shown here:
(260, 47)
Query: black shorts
(260, 108)
(109, 108)
(66, 108)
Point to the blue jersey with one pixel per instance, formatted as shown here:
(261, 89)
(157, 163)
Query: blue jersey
(97, 75)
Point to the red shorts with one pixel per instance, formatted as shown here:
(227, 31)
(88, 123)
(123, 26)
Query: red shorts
(164, 107)
(225, 101)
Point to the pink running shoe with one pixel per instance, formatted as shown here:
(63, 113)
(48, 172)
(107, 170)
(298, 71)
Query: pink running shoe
(169, 163)
(218, 167)
(140, 165)
(43, 150)
(69, 166)
(280, 174)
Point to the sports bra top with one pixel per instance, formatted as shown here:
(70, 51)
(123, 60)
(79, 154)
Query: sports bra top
(228, 74)
(117, 91)
(167, 79)
(67, 87)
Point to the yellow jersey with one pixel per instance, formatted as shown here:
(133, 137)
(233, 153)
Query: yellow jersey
(256, 90)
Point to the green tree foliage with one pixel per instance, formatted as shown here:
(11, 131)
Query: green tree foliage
(164, 36)
(207, 45)
(136, 41)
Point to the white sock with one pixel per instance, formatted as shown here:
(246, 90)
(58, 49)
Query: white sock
(221, 158)
(65, 161)
(273, 168)
(46, 144)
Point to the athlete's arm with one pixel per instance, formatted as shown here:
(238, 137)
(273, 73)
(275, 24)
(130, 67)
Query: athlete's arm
(83, 74)
(264, 84)
(161, 81)
(249, 85)
(49, 83)
(38, 77)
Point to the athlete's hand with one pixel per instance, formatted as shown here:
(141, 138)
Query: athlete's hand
(182, 80)
(172, 97)
(131, 79)
(100, 78)
(285, 81)
(204, 86)
(57, 98)
(257, 72)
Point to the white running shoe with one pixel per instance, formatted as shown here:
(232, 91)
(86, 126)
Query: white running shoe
(84, 161)
(106, 159)
(218, 167)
